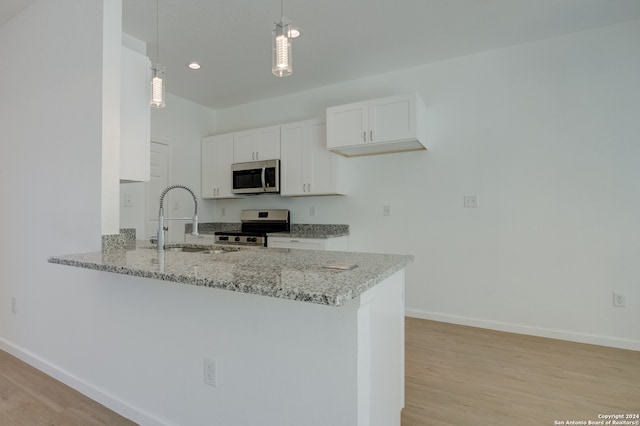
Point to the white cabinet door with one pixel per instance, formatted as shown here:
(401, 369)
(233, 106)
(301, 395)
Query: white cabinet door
(299, 243)
(257, 144)
(135, 117)
(217, 156)
(268, 143)
(392, 119)
(307, 167)
(377, 126)
(347, 124)
(326, 171)
(336, 243)
(293, 159)
(207, 171)
(244, 146)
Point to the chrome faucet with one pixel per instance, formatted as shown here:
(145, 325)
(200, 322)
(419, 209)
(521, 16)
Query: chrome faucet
(161, 218)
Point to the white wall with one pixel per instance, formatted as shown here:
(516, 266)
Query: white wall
(111, 85)
(51, 115)
(546, 135)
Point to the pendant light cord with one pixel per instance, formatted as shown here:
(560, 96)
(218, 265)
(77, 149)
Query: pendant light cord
(157, 31)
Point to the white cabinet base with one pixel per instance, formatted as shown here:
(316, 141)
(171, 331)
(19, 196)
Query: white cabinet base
(335, 244)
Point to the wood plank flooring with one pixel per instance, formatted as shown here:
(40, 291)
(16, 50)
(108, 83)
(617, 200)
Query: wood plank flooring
(31, 398)
(458, 375)
(455, 375)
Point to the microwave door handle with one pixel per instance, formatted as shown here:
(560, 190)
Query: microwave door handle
(263, 176)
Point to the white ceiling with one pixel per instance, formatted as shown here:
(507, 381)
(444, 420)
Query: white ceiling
(342, 39)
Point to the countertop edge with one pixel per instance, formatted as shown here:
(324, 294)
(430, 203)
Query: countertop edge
(334, 298)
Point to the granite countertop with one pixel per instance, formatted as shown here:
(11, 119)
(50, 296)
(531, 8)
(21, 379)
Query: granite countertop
(313, 231)
(281, 273)
(318, 231)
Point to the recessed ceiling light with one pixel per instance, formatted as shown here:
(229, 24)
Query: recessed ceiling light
(194, 66)
(295, 32)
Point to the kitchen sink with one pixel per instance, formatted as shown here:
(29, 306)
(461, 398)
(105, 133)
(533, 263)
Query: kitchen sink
(202, 249)
(187, 249)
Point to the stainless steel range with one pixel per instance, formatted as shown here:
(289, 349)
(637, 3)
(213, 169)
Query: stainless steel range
(255, 225)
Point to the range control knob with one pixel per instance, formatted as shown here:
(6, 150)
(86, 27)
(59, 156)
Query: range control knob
(237, 239)
(252, 239)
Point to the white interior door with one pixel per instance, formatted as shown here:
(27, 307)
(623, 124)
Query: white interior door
(157, 183)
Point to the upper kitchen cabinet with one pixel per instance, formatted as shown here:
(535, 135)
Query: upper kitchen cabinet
(135, 117)
(307, 168)
(257, 144)
(216, 158)
(392, 124)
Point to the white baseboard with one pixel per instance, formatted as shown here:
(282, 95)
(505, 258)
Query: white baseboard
(592, 339)
(110, 401)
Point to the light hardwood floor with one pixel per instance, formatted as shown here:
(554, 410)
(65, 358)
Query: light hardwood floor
(458, 375)
(29, 397)
(455, 375)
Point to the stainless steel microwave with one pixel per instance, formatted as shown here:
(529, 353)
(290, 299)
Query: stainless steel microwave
(256, 177)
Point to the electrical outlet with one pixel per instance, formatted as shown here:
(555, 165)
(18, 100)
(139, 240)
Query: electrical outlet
(312, 211)
(386, 210)
(210, 372)
(128, 199)
(223, 211)
(14, 309)
(470, 201)
(619, 301)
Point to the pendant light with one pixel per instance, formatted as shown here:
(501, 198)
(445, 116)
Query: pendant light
(282, 51)
(157, 77)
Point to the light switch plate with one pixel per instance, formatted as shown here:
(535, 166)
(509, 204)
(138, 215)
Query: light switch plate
(470, 201)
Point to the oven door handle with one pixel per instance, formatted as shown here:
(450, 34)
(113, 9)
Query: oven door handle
(263, 176)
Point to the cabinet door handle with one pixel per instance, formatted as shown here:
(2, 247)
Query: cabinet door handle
(308, 187)
(370, 135)
(364, 136)
(257, 156)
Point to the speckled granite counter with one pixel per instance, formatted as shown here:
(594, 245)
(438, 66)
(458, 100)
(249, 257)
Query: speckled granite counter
(298, 230)
(314, 231)
(281, 273)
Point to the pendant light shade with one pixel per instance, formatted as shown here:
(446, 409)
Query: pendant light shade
(157, 70)
(282, 50)
(157, 86)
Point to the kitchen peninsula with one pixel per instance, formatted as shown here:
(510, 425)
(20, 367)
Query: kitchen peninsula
(325, 346)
